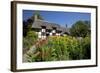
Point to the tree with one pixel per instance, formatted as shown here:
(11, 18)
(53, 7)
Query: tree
(24, 28)
(88, 23)
(27, 25)
(79, 29)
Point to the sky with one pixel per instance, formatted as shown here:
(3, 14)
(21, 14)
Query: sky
(61, 18)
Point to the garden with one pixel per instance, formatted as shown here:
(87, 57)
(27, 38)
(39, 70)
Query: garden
(76, 46)
(58, 48)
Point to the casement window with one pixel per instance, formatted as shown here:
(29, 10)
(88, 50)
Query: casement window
(50, 33)
(54, 30)
(43, 30)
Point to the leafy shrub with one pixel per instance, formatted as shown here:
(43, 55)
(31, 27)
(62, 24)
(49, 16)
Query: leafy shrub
(32, 37)
(29, 40)
(86, 48)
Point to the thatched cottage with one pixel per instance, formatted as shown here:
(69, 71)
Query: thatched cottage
(44, 28)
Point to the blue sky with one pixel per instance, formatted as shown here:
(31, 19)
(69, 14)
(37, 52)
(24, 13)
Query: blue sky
(61, 18)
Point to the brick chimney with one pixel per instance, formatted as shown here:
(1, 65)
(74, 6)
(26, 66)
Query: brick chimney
(35, 17)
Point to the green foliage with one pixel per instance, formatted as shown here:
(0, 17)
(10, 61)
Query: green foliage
(27, 26)
(79, 29)
(30, 39)
(59, 47)
(86, 47)
(64, 48)
(26, 43)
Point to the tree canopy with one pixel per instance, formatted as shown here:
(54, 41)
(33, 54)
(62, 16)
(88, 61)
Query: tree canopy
(79, 29)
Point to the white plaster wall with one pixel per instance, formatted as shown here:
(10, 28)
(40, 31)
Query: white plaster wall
(5, 37)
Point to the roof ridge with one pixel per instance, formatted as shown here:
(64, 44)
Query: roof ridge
(48, 22)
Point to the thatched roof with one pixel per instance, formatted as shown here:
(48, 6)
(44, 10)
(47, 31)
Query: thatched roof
(39, 23)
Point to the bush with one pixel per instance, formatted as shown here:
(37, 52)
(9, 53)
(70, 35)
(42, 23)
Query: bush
(86, 48)
(32, 37)
(29, 40)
